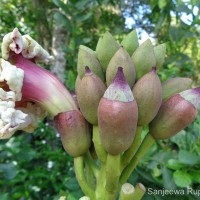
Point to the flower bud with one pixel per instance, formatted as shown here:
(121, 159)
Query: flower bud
(130, 42)
(87, 57)
(77, 83)
(121, 58)
(117, 116)
(106, 47)
(148, 95)
(144, 58)
(74, 132)
(175, 85)
(160, 52)
(175, 114)
(89, 94)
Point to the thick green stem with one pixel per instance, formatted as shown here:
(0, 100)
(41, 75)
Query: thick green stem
(101, 182)
(101, 153)
(112, 176)
(127, 192)
(79, 170)
(89, 175)
(128, 155)
(139, 191)
(91, 164)
(143, 149)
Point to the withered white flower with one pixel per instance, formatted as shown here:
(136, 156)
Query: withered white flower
(13, 77)
(12, 41)
(29, 48)
(27, 91)
(12, 118)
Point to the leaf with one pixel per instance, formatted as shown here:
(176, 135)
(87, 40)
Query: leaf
(63, 20)
(72, 184)
(175, 164)
(60, 4)
(168, 181)
(195, 175)
(9, 170)
(182, 178)
(183, 8)
(187, 157)
(162, 4)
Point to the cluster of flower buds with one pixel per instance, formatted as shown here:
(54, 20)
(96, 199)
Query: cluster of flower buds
(134, 95)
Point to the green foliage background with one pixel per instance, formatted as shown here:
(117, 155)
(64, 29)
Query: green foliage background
(35, 166)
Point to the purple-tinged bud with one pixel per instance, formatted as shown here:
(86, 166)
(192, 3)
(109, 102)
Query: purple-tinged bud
(87, 57)
(89, 95)
(74, 132)
(175, 114)
(175, 86)
(148, 95)
(121, 58)
(130, 42)
(117, 116)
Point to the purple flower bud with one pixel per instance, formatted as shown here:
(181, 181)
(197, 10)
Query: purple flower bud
(175, 114)
(89, 93)
(148, 94)
(74, 132)
(117, 116)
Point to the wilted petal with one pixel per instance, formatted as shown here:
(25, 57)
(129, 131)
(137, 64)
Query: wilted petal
(32, 50)
(12, 41)
(13, 77)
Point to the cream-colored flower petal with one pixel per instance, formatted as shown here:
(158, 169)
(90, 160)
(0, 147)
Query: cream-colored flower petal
(12, 41)
(7, 95)
(13, 77)
(11, 121)
(29, 48)
(33, 50)
(35, 113)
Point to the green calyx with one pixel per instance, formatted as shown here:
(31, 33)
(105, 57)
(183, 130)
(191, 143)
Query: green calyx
(88, 57)
(121, 58)
(130, 42)
(106, 47)
(160, 51)
(175, 85)
(144, 58)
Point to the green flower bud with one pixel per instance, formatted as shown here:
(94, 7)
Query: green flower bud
(148, 95)
(77, 83)
(130, 42)
(175, 114)
(160, 52)
(87, 57)
(74, 132)
(144, 58)
(175, 85)
(121, 58)
(89, 93)
(117, 116)
(106, 48)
